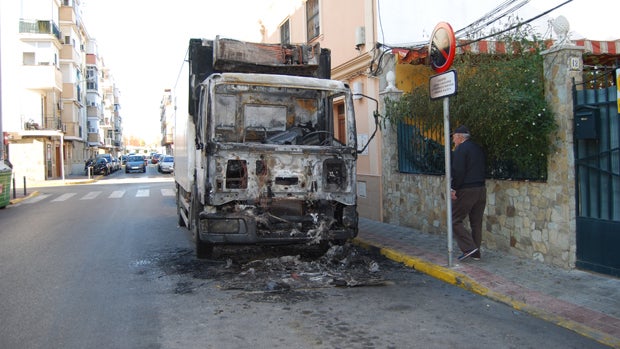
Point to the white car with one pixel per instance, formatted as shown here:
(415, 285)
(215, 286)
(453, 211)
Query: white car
(165, 164)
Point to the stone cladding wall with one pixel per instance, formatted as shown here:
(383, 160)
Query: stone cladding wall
(533, 220)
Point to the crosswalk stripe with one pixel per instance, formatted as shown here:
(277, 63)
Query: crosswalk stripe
(117, 194)
(64, 197)
(91, 195)
(37, 198)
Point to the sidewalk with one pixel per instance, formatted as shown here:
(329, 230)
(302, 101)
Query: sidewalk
(584, 302)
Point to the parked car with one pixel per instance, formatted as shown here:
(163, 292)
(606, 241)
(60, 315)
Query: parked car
(135, 163)
(166, 164)
(113, 164)
(116, 164)
(155, 158)
(102, 166)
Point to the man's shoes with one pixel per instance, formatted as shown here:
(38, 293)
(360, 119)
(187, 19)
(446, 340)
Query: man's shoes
(476, 255)
(467, 254)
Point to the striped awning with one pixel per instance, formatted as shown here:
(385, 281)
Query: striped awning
(605, 53)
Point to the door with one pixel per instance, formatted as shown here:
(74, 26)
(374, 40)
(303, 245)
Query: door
(597, 176)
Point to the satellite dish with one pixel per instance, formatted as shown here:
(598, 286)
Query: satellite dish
(442, 47)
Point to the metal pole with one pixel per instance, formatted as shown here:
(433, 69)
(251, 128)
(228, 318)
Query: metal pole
(62, 156)
(24, 185)
(447, 149)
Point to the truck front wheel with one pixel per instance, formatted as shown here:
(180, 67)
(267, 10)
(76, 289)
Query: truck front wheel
(203, 249)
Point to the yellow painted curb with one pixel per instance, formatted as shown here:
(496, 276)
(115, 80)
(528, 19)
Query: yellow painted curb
(458, 279)
(18, 200)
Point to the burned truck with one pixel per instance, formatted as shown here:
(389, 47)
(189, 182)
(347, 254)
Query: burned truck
(267, 153)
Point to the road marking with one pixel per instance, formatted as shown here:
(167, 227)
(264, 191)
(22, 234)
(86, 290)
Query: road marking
(117, 194)
(91, 195)
(37, 198)
(64, 197)
(167, 192)
(143, 193)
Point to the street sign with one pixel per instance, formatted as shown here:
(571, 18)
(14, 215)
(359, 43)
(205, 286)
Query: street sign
(442, 47)
(443, 85)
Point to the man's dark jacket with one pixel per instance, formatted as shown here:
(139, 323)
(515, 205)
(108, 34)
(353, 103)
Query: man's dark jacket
(468, 166)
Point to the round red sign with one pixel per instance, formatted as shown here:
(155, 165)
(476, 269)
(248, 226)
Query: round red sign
(442, 47)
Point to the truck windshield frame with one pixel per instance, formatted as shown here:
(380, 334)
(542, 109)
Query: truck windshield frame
(249, 113)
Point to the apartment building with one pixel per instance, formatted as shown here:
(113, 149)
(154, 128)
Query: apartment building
(52, 95)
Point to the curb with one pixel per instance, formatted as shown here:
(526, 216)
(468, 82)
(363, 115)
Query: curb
(18, 200)
(461, 280)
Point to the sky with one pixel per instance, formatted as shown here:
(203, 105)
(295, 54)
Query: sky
(144, 42)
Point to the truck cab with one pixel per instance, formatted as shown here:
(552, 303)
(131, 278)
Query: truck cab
(266, 157)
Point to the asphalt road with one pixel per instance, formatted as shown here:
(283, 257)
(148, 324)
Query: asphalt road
(105, 266)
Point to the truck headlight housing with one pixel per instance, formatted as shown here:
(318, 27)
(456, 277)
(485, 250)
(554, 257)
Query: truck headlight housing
(335, 176)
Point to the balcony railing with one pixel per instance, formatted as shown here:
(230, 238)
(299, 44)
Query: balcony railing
(39, 27)
(49, 123)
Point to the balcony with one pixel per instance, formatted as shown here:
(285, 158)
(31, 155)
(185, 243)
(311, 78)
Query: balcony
(167, 138)
(70, 53)
(39, 27)
(93, 138)
(68, 13)
(42, 77)
(38, 123)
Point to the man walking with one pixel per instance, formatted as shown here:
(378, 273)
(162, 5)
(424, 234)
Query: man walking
(468, 192)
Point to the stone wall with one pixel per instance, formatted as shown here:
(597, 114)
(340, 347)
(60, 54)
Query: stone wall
(533, 220)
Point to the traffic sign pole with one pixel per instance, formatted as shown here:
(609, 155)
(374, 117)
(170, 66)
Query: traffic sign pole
(442, 49)
(447, 149)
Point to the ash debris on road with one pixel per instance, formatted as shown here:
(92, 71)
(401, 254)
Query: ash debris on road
(274, 269)
(342, 266)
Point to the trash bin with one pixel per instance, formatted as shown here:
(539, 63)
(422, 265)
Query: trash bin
(5, 184)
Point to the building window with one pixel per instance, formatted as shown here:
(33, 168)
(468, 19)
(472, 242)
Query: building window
(312, 15)
(285, 33)
(28, 58)
(91, 78)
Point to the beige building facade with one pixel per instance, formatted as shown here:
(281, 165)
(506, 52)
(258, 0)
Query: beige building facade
(531, 220)
(351, 39)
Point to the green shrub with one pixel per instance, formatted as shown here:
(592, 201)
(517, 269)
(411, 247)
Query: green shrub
(501, 99)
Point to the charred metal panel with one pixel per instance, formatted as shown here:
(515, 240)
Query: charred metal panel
(275, 169)
(282, 171)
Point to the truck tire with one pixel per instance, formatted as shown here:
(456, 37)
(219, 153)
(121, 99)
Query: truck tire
(203, 249)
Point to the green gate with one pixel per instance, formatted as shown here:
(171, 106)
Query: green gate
(597, 174)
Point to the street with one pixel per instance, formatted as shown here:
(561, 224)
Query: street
(105, 265)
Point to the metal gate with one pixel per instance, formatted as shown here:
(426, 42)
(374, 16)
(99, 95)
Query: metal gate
(597, 174)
